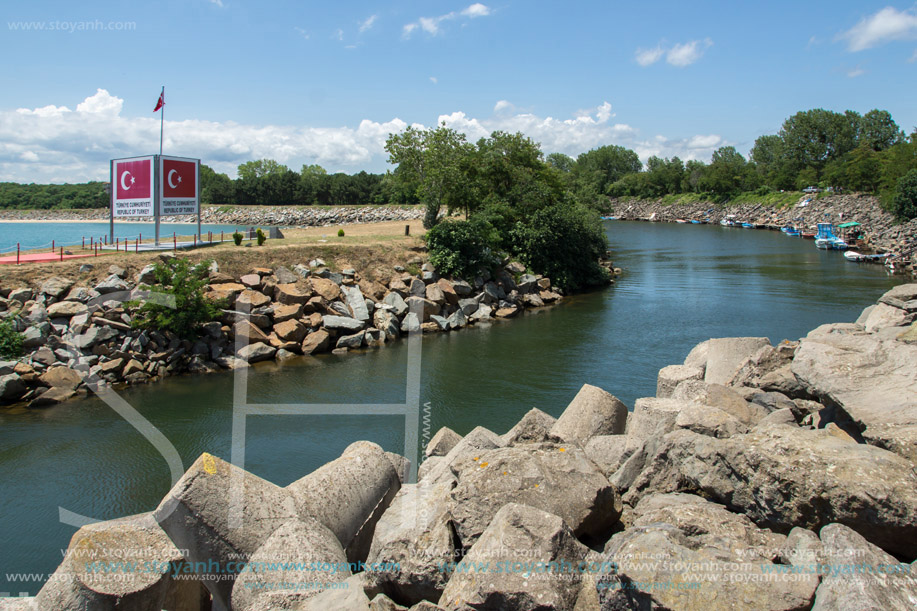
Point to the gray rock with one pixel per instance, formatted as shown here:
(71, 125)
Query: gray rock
(115, 545)
(417, 288)
(285, 276)
(399, 307)
(347, 595)
(469, 306)
(689, 532)
(147, 275)
(785, 476)
(608, 452)
(81, 294)
(843, 367)
(117, 270)
(415, 535)
(482, 313)
(457, 320)
(461, 288)
(21, 295)
(349, 494)
(442, 442)
(527, 283)
(670, 377)
(11, 388)
(410, 324)
(222, 514)
(253, 353)
(440, 321)
(471, 445)
(709, 420)
(66, 309)
(422, 306)
(387, 322)
(884, 316)
(7, 367)
(534, 427)
(35, 335)
(350, 341)
(111, 284)
(286, 558)
(340, 309)
(374, 338)
(859, 575)
(55, 287)
(342, 323)
(557, 478)
(85, 268)
(356, 302)
(545, 538)
(592, 412)
(726, 355)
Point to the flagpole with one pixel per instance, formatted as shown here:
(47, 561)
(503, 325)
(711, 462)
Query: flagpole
(162, 115)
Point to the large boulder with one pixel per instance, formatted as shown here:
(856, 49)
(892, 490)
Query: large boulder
(463, 453)
(254, 353)
(726, 355)
(355, 300)
(11, 387)
(327, 289)
(413, 541)
(119, 564)
(112, 284)
(283, 570)
(342, 323)
(221, 514)
(592, 412)
(534, 427)
(291, 294)
(317, 341)
(349, 494)
(558, 478)
(66, 309)
(444, 440)
(543, 548)
(671, 376)
(783, 476)
(56, 287)
(859, 575)
(871, 378)
(683, 552)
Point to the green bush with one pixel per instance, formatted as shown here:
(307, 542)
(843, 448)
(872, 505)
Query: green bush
(179, 280)
(260, 236)
(461, 248)
(905, 203)
(564, 243)
(340, 233)
(237, 238)
(10, 341)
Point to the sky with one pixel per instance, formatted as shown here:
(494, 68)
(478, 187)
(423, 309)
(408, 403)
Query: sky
(319, 82)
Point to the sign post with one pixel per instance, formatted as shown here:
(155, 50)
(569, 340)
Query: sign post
(155, 185)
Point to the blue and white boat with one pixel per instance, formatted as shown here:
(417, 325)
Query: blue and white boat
(790, 231)
(748, 225)
(729, 221)
(826, 240)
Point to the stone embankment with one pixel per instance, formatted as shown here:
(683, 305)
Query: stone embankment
(247, 216)
(759, 477)
(78, 338)
(883, 234)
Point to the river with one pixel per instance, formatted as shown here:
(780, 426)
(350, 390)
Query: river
(682, 284)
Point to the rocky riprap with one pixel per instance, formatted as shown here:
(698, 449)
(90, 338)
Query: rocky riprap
(79, 338)
(247, 216)
(759, 477)
(882, 232)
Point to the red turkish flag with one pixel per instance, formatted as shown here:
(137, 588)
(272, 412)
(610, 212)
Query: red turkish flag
(179, 178)
(161, 102)
(133, 180)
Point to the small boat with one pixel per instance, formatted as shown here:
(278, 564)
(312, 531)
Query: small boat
(729, 221)
(807, 235)
(790, 230)
(695, 222)
(609, 218)
(748, 225)
(681, 221)
(826, 240)
(852, 255)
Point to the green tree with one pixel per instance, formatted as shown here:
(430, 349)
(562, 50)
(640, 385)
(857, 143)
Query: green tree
(462, 248)
(432, 159)
(862, 169)
(561, 162)
(178, 303)
(905, 202)
(879, 131)
(812, 138)
(599, 168)
(728, 173)
(216, 188)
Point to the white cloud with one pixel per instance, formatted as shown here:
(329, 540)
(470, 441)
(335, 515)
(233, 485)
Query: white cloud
(368, 23)
(504, 105)
(884, 26)
(476, 10)
(302, 32)
(56, 144)
(434, 80)
(682, 55)
(913, 57)
(647, 57)
(855, 72)
(431, 25)
(339, 34)
(219, 3)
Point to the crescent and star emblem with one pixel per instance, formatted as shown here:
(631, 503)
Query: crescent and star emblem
(124, 175)
(169, 179)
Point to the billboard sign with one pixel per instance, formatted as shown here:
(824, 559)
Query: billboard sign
(179, 187)
(132, 187)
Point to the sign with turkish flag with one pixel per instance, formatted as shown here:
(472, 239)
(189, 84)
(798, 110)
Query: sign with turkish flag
(178, 178)
(132, 187)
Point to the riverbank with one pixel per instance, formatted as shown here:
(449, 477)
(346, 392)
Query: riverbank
(782, 476)
(882, 233)
(78, 333)
(252, 216)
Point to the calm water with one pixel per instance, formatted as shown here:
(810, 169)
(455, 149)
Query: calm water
(39, 235)
(683, 284)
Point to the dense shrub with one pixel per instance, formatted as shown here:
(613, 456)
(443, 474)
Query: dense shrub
(178, 280)
(237, 238)
(260, 236)
(461, 248)
(564, 243)
(10, 341)
(340, 233)
(905, 202)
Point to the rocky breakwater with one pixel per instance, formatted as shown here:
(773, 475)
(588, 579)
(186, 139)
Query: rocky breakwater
(299, 216)
(882, 232)
(758, 477)
(78, 338)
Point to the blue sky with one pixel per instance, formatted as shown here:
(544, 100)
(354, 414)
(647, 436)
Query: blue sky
(313, 82)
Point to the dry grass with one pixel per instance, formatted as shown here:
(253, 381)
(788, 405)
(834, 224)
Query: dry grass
(372, 248)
